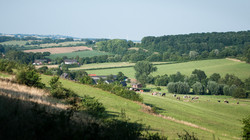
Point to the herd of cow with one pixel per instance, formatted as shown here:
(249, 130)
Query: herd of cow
(185, 96)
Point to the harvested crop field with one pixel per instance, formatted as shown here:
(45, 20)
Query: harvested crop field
(60, 50)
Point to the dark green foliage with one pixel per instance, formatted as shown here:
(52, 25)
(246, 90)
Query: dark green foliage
(192, 79)
(28, 120)
(246, 128)
(86, 80)
(29, 77)
(158, 88)
(178, 77)
(226, 90)
(187, 136)
(142, 71)
(200, 74)
(247, 83)
(120, 76)
(198, 88)
(231, 79)
(161, 80)
(178, 87)
(215, 77)
(172, 87)
(239, 93)
(120, 91)
(43, 69)
(92, 106)
(6, 66)
(213, 87)
(58, 91)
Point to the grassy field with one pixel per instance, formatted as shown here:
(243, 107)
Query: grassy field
(110, 65)
(2, 75)
(14, 42)
(221, 66)
(79, 53)
(205, 117)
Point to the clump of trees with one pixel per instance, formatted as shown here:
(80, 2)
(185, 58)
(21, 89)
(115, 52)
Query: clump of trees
(143, 70)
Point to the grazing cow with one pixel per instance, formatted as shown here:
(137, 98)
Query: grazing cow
(178, 98)
(185, 96)
(218, 100)
(189, 96)
(154, 93)
(174, 95)
(225, 101)
(238, 102)
(196, 97)
(163, 94)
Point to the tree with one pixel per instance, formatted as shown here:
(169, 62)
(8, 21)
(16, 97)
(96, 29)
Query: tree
(201, 74)
(198, 88)
(30, 78)
(247, 83)
(239, 93)
(212, 87)
(193, 55)
(246, 128)
(182, 88)
(215, 77)
(176, 77)
(120, 76)
(143, 70)
(172, 87)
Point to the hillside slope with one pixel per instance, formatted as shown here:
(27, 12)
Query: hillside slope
(180, 115)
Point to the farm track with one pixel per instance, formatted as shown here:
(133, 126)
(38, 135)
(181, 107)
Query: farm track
(147, 109)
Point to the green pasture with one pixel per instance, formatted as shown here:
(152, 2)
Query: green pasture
(79, 53)
(110, 65)
(2, 75)
(220, 119)
(221, 66)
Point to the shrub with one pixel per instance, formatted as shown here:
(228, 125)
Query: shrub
(246, 128)
(92, 106)
(29, 78)
(172, 87)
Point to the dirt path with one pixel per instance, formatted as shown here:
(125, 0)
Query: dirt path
(148, 110)
(235, 60)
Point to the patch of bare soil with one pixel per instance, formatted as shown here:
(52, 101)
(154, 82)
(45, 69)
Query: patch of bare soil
(61, 49)
(235, 60)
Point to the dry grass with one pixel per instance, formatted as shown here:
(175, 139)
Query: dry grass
(61, 50)
(25, 93)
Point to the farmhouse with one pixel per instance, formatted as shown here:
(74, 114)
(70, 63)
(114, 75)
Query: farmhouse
(70, 61)
(39, 61)
(106, 79)
(136, 85)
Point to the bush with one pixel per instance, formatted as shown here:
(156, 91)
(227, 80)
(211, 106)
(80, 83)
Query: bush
(92, 106)
(239, 93)
(172, 87)
(246, 128)
(29, 78)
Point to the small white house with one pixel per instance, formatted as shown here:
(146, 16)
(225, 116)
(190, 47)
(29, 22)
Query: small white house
(70, 61)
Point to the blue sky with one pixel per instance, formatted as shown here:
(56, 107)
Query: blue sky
(127, 19)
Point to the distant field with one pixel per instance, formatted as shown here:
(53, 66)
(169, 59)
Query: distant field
(60, 49)
(14, 42)
(109, 65)
(62, 44)
(221, 66)
(22, 43)
(205, 117)
(79, 53)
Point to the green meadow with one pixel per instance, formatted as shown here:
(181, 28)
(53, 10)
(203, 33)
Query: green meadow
(79, 53)
(206, 117)
(221, 66)
(15, 42)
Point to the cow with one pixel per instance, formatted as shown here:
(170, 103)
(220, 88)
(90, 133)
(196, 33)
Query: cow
(238, 102)
(219, 101)
(163, 94)
(178, 98)
(185, 96)
(196, 97)
(225, 101)
(174, 95)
